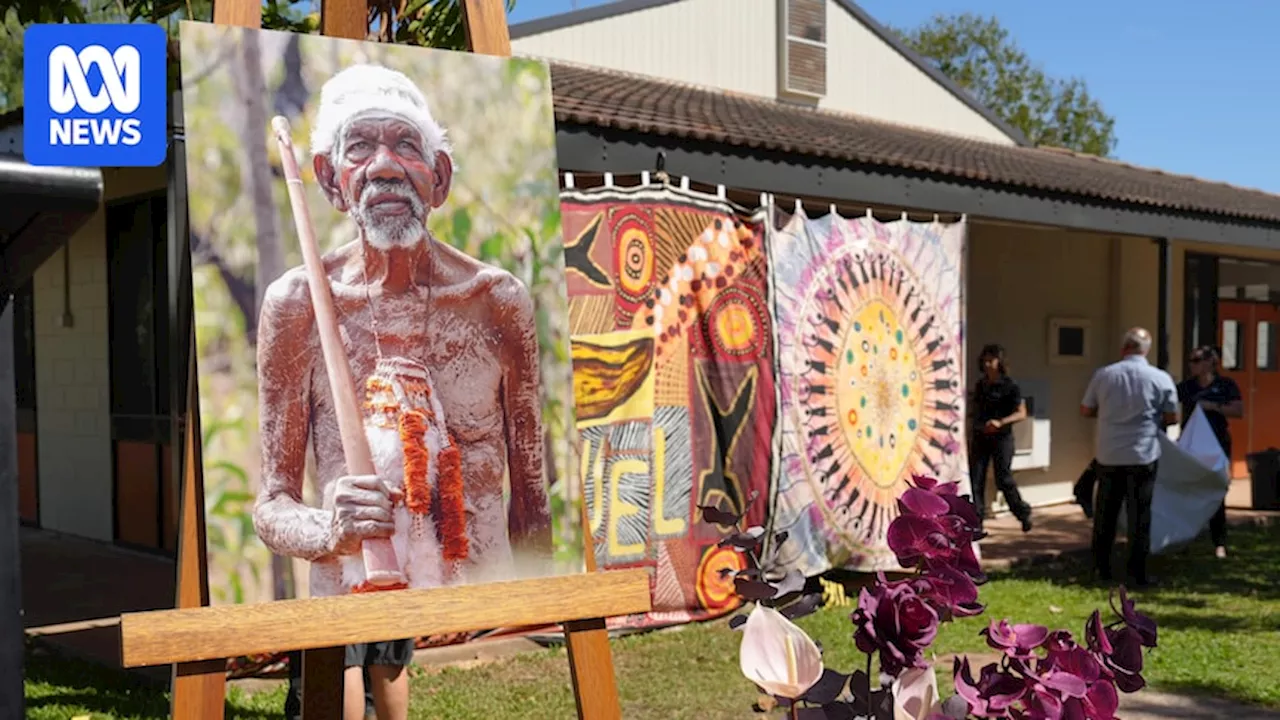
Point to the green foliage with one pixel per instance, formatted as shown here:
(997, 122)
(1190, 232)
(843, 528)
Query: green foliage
(425, 23)
(290, 16)
(27, 12)
(979, 55)
(432, 23)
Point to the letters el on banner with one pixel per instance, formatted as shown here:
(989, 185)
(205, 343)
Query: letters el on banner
(431, 187)
(673, 376)
(95, 95)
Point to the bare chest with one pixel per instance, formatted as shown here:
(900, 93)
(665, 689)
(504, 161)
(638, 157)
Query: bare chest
(459, 349)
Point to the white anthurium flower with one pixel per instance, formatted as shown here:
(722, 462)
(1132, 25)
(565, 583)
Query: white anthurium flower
(777, 655)
(915, 694)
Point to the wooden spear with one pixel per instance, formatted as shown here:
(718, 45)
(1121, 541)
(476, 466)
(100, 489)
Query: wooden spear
(380, 566)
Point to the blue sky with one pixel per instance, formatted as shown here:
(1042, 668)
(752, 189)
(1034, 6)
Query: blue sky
(1192, 85)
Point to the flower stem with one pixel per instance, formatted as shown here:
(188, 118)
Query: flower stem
(869, 714)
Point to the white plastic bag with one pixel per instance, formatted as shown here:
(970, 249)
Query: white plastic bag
(1198, 441)
(1191, 482)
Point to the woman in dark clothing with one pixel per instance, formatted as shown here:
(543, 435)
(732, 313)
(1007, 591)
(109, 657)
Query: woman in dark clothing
(1220, 399)
(996, 405)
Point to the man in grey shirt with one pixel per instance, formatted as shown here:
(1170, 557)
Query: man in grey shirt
(1133, 402)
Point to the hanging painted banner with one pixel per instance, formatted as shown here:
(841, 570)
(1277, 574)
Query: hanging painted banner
(870, 368)
(673, 382)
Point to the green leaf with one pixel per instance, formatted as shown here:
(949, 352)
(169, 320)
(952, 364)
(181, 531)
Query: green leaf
(230, 467)
(493, 246)
(461, 227)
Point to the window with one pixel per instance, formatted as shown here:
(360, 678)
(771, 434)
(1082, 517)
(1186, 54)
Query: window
(138, 280)
(1266, 339)
(138, 277)
(804, 48)
(1232, 345)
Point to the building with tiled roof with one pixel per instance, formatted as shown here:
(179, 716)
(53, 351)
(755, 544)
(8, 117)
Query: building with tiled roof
(814, 101)
(807, 100)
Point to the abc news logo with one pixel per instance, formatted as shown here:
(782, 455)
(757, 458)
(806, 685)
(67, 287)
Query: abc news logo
(69, 90)
(96, 95)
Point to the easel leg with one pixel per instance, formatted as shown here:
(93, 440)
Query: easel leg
(591, 667)
(322, 683)
(199, 689)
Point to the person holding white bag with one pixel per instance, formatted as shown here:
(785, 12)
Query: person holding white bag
(1219, 397)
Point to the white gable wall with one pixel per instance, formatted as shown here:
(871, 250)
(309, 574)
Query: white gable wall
(733, 45)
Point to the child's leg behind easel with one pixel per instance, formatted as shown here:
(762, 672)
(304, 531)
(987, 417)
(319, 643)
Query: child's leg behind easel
(379, 670)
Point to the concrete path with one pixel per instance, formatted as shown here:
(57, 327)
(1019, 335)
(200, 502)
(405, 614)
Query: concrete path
(1064, 528)
(1151, 705)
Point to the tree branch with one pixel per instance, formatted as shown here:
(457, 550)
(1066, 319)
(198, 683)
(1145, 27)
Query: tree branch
(242, 291)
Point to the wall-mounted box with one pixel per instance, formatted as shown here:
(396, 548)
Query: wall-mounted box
(1069, 342)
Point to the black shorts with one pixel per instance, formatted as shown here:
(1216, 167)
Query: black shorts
(397, 653)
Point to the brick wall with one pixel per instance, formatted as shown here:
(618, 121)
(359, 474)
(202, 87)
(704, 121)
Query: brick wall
(73, 389)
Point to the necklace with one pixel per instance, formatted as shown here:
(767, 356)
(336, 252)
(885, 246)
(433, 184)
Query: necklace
(373, 306)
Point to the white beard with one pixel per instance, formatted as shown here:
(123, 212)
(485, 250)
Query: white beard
(386, 236)
(394, 232)
(417, 546)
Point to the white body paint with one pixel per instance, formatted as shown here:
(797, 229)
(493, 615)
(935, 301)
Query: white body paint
(416, 542)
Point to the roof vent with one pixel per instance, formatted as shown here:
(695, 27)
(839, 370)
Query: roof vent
(802, 48)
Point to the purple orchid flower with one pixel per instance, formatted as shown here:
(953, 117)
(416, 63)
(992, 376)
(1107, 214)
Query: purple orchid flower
(1016, 641)
(1077, 662)
(922, 503)
(1095, 635)
(914, 538)
(1059, 641)
(1145, 626)
(995, 692)
(934, 485)
(895, 621)
(1042, 703)
(951, 592)
(963, 509)
(1101, 701)
(1125, 659)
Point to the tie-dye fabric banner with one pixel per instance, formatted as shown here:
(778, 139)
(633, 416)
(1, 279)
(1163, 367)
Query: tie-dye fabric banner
(673, 382)
(870, 367)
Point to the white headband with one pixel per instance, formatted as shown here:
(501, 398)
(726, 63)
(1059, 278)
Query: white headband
(361, 90)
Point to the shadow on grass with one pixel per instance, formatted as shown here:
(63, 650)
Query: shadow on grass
(1251, 570)
(1216, 700)
(72, 683)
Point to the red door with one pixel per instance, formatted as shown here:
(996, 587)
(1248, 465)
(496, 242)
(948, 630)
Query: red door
(1234, 322)
(1248, 333)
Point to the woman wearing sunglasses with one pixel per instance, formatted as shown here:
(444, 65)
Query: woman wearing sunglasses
(1220, 399)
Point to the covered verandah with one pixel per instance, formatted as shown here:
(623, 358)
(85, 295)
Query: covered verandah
(1108, 238)
(1058, 242)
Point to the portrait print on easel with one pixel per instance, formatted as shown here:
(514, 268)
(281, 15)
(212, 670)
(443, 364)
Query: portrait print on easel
(381, 321)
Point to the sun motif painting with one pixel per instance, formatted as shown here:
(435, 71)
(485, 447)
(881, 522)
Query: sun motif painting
(870, 368)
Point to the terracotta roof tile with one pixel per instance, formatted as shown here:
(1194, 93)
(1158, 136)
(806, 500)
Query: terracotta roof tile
(624, 101)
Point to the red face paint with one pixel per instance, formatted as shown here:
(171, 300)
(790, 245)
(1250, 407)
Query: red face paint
(387, 149)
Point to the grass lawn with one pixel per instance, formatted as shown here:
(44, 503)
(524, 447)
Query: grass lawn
(1219, 634)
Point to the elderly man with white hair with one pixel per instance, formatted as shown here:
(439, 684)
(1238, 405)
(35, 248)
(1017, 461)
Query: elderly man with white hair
(1133, 402)
(446, 350)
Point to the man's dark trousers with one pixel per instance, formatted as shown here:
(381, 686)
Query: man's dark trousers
(1130, 487)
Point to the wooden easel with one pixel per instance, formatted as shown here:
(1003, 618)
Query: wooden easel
(198, 638)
